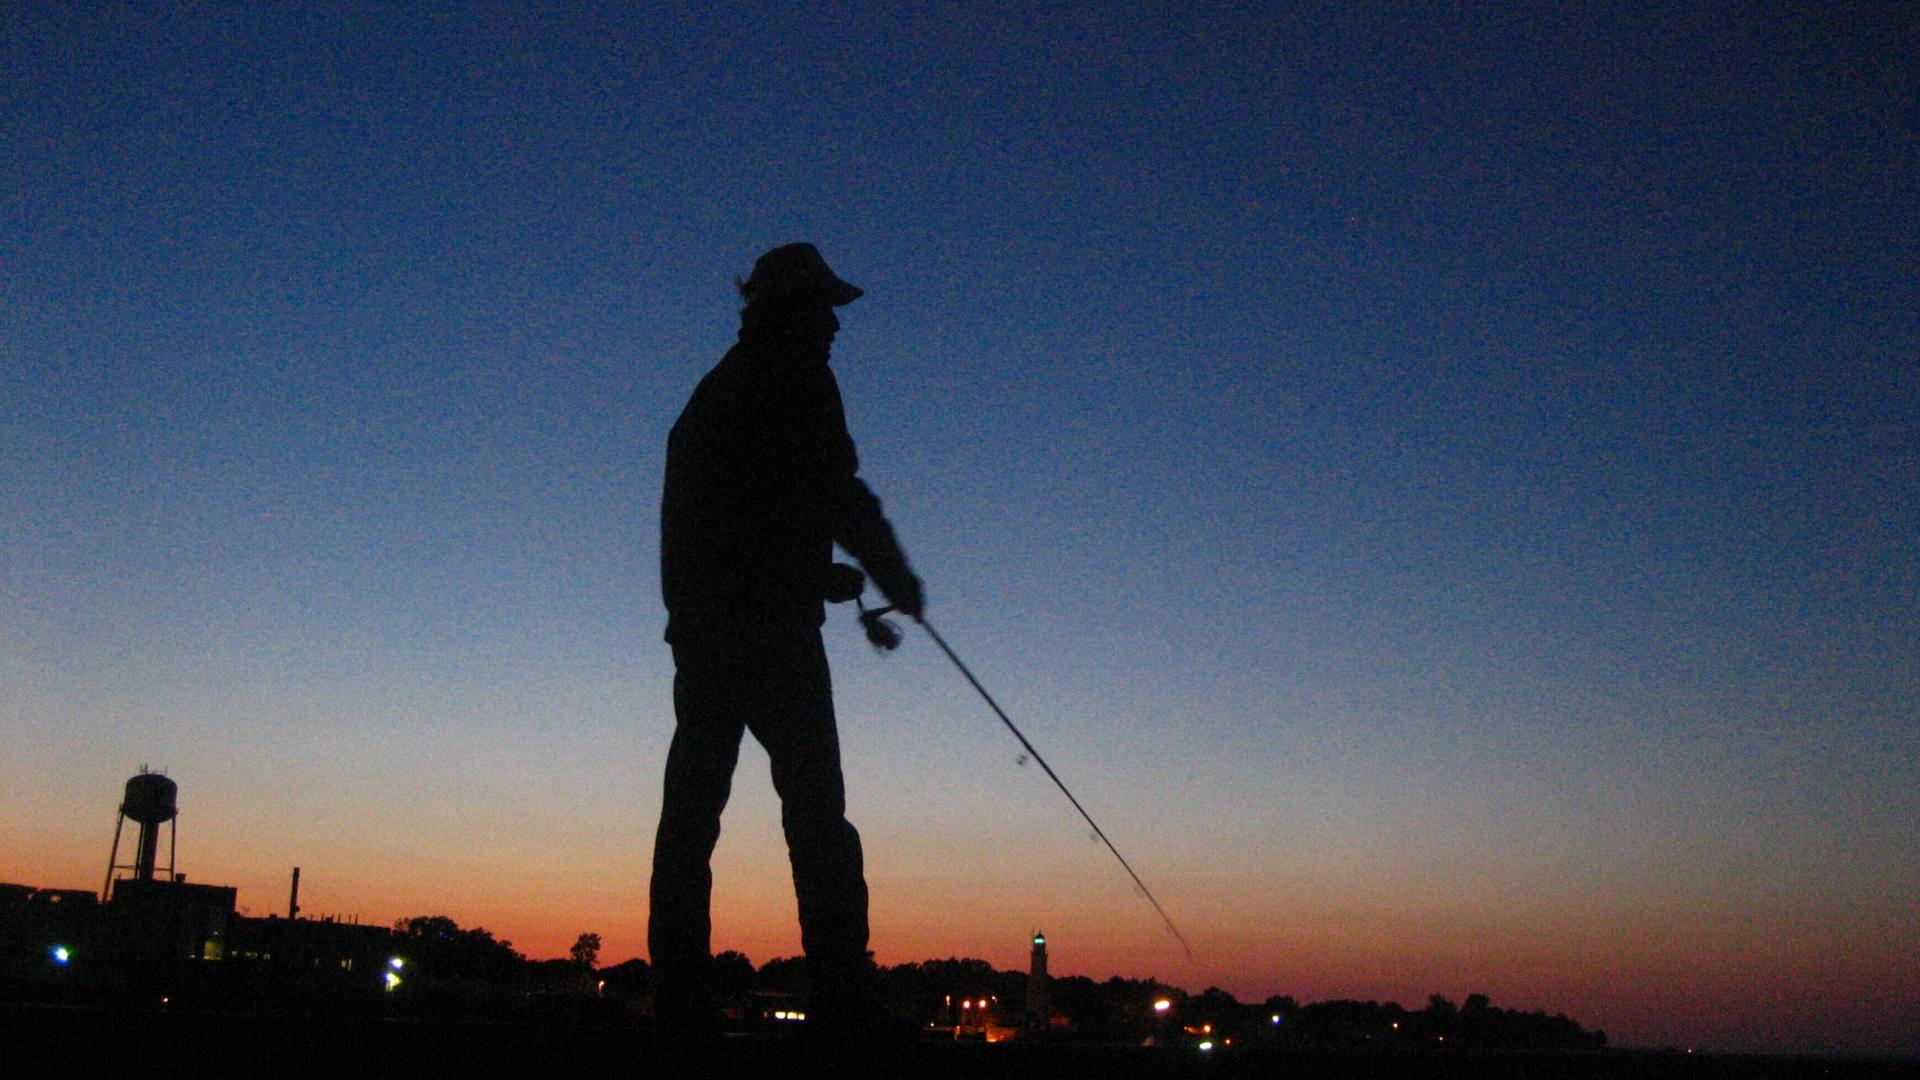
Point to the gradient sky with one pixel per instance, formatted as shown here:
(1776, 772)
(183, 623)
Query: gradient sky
(1442, 488)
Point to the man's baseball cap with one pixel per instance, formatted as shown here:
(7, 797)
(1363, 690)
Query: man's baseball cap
(792, 270)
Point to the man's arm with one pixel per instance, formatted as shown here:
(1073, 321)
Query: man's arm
(867, 535)
(853, 511)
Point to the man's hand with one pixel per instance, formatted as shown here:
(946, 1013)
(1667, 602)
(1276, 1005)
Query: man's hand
(843, 583)
(904, 592)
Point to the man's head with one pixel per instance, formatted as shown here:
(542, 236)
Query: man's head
(795, 273)
(792, 293)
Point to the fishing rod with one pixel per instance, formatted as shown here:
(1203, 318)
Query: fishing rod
(886, 637)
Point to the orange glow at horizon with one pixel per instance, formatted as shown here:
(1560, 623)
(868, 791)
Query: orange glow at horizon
(1646, 978)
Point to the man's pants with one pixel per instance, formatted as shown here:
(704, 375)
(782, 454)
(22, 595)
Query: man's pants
(779, 689)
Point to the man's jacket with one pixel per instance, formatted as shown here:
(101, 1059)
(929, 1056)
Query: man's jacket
(761, 483)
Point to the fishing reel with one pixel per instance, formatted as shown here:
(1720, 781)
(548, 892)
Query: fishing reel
(882, 633)
(845, 583)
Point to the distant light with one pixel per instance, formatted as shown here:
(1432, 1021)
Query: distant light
(1206, 1029)
(780, 1014)
(1039, 939)
(1162, 1005)
(1208, 1045)
(61, 955)
(1276, 1018)
(392, 980)
(396, 963)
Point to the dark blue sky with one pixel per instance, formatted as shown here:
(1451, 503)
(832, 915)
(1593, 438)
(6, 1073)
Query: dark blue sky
(1418, 473)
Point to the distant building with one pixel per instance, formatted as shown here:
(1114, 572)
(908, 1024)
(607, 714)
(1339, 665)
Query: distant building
(151, 932)
(150, 919)
(314, 944)
(40, 928)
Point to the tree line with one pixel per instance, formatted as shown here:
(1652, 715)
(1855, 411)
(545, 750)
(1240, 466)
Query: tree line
(930, 992)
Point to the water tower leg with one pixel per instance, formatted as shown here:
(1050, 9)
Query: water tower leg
(119, 822)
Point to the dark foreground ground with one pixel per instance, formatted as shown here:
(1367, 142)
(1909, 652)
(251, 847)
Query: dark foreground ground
(61, 1041)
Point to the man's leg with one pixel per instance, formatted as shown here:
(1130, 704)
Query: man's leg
(699, 777)
(803, 747)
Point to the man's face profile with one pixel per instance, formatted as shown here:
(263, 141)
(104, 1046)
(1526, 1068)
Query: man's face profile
(813, 320)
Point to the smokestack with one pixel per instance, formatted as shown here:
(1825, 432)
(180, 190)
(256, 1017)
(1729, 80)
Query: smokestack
(293, 899)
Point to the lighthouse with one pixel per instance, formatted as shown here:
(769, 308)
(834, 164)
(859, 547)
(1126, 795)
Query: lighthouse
(1039, 1009)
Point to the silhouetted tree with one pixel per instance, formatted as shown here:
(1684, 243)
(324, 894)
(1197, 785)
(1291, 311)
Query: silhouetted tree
(732, 976)
(585, 950)
(443, 949)
(1217, 1007)
(782, 974)
(1477, 1023)
(921, 992)
(1122, 1010)
(629, 978)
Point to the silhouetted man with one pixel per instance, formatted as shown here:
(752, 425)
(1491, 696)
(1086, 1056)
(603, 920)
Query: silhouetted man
(761, 483)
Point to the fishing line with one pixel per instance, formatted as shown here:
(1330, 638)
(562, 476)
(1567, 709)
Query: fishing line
(884, 636)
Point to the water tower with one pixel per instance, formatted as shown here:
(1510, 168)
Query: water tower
(151, 801)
